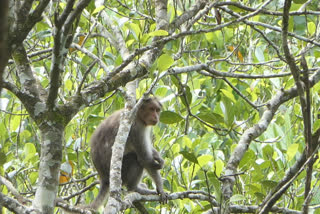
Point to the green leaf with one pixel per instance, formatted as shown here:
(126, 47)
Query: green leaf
(229, 95)
(129, 42)
(33, 177)
(259, 53)
(98, 9)
(247, 160)
(217, 185)
(204, 159)
(164, 62)
(29, 151)
(219, 165)
(25, 134)
(159, 33)
(186, 142)
(209, 37)
(15, 123)
(269, 184)
(299, 1)
(161, 91)
(267, 151)
(218, 39)
(210, 117)
(237, 197)
(316, 125)
(229, 115)
(3, 158)
(169, 117)
(135, 29)
(311, 28)
(69, 84)
(189, 156)
(175, 148)
(292, 150)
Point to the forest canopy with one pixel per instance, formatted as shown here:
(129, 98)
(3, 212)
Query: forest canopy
(238, 81)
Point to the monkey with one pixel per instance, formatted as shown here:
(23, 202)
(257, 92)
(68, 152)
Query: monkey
(139, 154)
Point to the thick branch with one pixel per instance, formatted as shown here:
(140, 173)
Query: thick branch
(34, 17)
(114, 204)
(4, 7)
(14, 206)
(13, 190)
(25, 21)
(305, 109)
(76, 12)
(58, 52)
(61, 35)
(290, 59)
(186, 16)
(67, 10)
(23, 11)
(36, 14)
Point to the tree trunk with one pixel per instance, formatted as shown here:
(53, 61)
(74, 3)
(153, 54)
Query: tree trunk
(3, 39)
(50, 161)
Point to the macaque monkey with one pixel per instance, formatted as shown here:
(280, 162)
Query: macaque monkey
(139, 153)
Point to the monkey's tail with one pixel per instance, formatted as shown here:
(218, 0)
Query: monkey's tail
(98, 201)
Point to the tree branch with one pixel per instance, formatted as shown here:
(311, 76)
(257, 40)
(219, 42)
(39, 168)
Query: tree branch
(14, 206)
(4, 7)
(61, 33)
(23, 11)
(264, 11)
(13, 190)
(305, 107)
(250, 134)
(91, 55)
(189, 14)
(289, 177)
(212, 71)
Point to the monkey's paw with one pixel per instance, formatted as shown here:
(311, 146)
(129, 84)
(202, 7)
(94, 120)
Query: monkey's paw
(164, 196)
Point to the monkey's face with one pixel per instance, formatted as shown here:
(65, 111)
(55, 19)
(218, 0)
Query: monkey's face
(149, 113)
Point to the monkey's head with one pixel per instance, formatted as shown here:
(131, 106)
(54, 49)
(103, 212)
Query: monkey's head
(149, 112)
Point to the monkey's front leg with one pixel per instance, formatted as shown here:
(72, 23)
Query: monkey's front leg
(155, 174)
(150, 160)
(159, 162)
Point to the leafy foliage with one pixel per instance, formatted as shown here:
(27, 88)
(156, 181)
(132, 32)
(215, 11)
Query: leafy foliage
(206, 111)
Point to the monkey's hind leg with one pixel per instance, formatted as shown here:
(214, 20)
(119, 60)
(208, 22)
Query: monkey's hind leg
(131, 175)
(131, 171)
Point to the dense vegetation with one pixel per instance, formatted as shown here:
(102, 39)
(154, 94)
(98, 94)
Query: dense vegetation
(238, 81)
